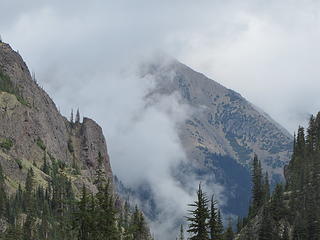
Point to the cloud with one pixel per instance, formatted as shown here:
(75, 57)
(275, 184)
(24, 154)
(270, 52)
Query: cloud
(86, 55)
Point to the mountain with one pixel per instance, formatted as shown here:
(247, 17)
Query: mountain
(221, 133)
(56, 180)
(31, 122)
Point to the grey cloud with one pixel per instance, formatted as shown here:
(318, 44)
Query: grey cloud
(85, 55)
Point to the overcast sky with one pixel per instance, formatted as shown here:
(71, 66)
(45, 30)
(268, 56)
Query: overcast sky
(266, 50)
(84, 53)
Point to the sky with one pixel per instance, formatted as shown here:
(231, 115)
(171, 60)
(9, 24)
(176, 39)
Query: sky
(85, 54)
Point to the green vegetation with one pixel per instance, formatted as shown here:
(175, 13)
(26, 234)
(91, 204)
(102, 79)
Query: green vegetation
(292, 211)
(70, 146)
(6, 85)
(205, 223)
(41, 144)
(54, 212)
(6, 144)
(19, 162)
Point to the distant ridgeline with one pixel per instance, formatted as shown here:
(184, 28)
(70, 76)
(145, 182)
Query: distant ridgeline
(292, 212)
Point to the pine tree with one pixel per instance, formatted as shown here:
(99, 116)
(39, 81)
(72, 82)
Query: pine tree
(229, 235)
(28, 227)
(265, 230)
(219, 226)
(13, 233)
(3, 195)
(106, 214)
(213, 221)
(29, 194)
(77, 120)
(82, 217)
(181, 233)
(266, 188)
(277, 207)
(300, 144)
(198, 225)
(239, 224)
(45, 167)
(257, 189)
(44, 227)
(71, 116)
(285, 233)
(100, 178)
(299, 228)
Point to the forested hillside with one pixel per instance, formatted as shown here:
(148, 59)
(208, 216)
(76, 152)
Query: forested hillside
(292, 212)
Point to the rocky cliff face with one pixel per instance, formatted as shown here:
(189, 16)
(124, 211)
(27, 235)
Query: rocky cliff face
(223, 132)
(31, 129)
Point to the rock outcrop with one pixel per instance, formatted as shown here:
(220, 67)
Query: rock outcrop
(31, 129)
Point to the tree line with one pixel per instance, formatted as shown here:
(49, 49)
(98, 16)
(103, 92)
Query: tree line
(292, 211)
(55, 212)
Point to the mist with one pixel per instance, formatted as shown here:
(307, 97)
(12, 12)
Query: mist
(87, 55)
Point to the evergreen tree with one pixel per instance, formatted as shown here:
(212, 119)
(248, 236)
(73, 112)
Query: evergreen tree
(213, 221)
(285, 233)
(3, 195)
(229, 235)
(181, 233)
(299, 228)
(198, 222)
(100, 178)
(45, 167)
(29, 194)
(265, 230)
(82, 217)
(266, 187)
(257, 188)
(239, 224)
(277, 207)
(13, 233)
(28, 227)
(219, 226)
(77, 120)
(300, 144)
(53, 213)
(71, 116)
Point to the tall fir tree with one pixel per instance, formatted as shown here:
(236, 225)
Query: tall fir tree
(213, 221)
(198, 221)
(229, 234)
(257, 188)
(220, 227)
(71, 116)
(3, 194)
(266, 188)
(181, 233)
(265, 231)
(77, 120)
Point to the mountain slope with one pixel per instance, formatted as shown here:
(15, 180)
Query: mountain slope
(293, 210)
(36, 128)
(223, 132)
(56, 181)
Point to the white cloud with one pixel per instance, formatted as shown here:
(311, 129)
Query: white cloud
(85, 54)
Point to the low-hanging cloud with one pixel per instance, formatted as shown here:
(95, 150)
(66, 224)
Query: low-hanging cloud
(86, 54)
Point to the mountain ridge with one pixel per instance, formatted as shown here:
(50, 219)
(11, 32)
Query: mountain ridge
(221, 126)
